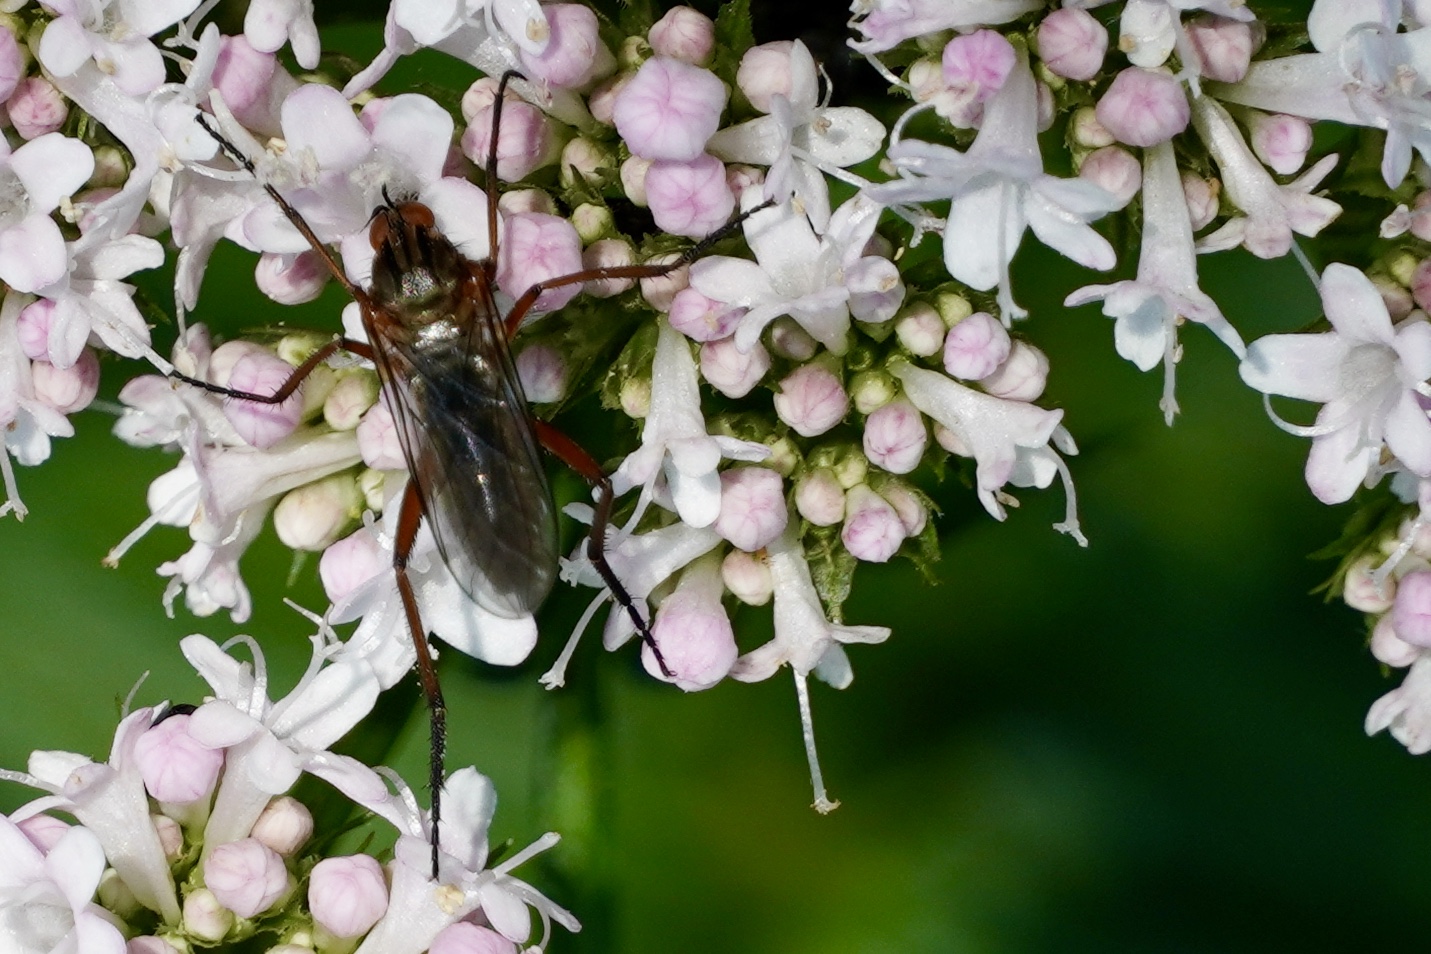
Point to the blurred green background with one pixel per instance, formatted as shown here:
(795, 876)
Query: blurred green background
(1153, 744)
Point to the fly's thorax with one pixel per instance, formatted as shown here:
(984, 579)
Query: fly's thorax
(418, 275)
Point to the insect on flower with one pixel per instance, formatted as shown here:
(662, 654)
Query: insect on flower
(472, 445)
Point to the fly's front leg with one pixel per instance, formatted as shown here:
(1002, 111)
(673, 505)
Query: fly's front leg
(295, 380)
(409, 519)
(574, 456)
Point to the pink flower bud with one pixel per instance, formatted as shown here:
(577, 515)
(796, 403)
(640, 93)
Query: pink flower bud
(351, 562)
(1223, 47)
(246, 876)
(285, 825)
(811, 400)
(538, 247)
(291, 279)
(703, 319)
(693, 631)
(32, 326)
(378, 439)
(1281, 141)
(765, 73)
(347, 895)
(1072, 43)
(602, 101)
(1397, 299)
(752, 507)
(1115, 171)
(1411, 612)
(171, 836)
(633, 179)
(1421, 284)
(36, 107)
(684, 34)
(527, 140)
(729, 370)
(819, 498)
(262, 425)
(977, 64)
(976, 346)
(464, 937)
(251, 84)
(660, 292)
(149, 944)
(205, 917)
(789, 340)
(1144, 107)
(895, 437)
(911, 509)
(521, 201)
(1420, 221)
(876, 289)
(312, 517)
(174, 766)
(12, 63)
(669, 109)
(67, 390)
(608, 253)
(43, 831)
(921, 330)
(1389, 648)
(689, 198)
(543, 374)
(747, 577)
(872, 530)
(1022, 377)
(1202, 198)
(741, 177)
(352, 395)
(574, 54)
(1085, 130)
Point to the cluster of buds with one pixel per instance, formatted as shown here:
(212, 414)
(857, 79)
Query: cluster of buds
(188, 837)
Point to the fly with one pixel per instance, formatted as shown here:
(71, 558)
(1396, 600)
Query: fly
(472, 446)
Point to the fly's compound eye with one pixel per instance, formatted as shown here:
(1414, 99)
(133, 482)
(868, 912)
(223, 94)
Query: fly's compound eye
(379, 231)
(416, 215)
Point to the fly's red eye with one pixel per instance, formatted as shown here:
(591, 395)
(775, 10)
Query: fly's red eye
(378, 232)
(416, 214)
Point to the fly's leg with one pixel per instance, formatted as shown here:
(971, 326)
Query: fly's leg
(286, 390)
(409, 519)
(575, 456)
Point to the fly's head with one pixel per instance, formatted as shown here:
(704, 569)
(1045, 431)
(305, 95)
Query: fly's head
(417, 273)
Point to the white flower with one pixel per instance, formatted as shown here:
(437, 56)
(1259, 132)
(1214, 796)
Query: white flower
(1367, 374)
(34, 180)
(114, 36)
(1150, 29)
(886, 23)
(1406, 710)
(45, 899)
(998, 186)
(27, 423)
(1147, 311)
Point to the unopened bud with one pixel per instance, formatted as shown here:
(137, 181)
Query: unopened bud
(171, 836)
(174, 765)
(1362, 593)
(520, 201)
(819, 498)
(1389, 648)
(245, 876)
(729, 370)
(1411, 610)
(811, 400)
(921, 330)
(976, 347)
(911, 510)
(1085, 130)
(633, 179)
(752, 507)
(784, 456)
(115, 895)
(789, 340)
(1022, 377)
(873, 531)
(592, 222)
(285, 825)
(684, 34)
(464, 937)
(870, 390)
(608, 253)
(636, 397)
(313, 516)
(351, 562)
(205, 918)
(659, 292)
(953, 308)
(347, 895)
(378, 441)
(583, 159)
(747, 577)
(352, 395)
(543, 374)
(291, 279)
(895, 437)
(851, 468)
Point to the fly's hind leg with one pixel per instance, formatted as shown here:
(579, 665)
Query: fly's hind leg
(287, 389)
(574, 456)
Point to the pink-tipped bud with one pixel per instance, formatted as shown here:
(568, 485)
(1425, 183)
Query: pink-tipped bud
(171, 836)
(633, 179)
(1072, 43)
(729, 370)
(246, 876)
(347, 895)
(1022, 377)
(1222, 47)
(262, 425)
(811, 400)
(602, 101)
(1281, 141)
(741, 177)
(1085, 130)
(284, 825)
(205, 917)
(977, 64)
(1115, 171)
(921, 330)
(659, 292)
(876, 289)
(174, 766)
(543, 374)
(527, 140)
(1420, 220)
(36, 107)
(669, 109)
(752, 507)
(33, 328)
(872, 530)
(1144, 107)
(1389, 648)
(912, 512)
(291, 279)
(378, 439)
(352, 395)
(764, 73)
(789, 340)
(693, 631)
(608, 253)
(820, 498)
(574, 54)
(538, 247)
(747, 577)
(703, 319)
(67, 390)
(464, 937)
(521, 201)
(1411, 611)
(684, 34)
(43, 831)
(976, 347)
(1202, 196)
(313, 516)
(351, 562)
(689, 198)
(895, 437)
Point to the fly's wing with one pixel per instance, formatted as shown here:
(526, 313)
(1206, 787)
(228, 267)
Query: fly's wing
(463, 424)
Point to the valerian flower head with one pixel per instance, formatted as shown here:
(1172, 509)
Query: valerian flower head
(1368, 376)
